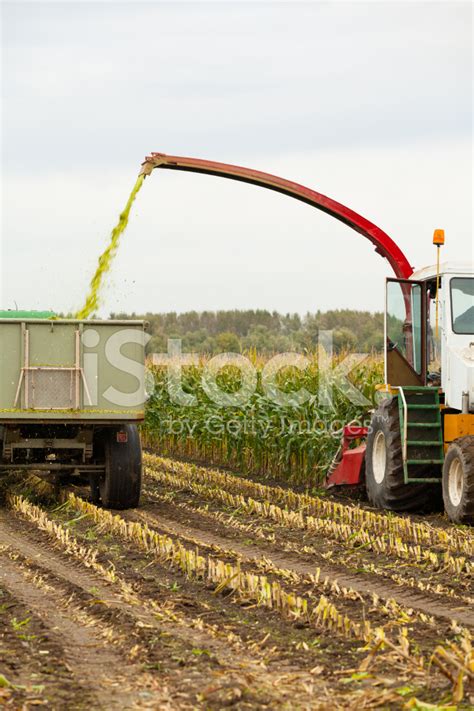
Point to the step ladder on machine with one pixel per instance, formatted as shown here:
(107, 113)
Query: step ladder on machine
(421, 433)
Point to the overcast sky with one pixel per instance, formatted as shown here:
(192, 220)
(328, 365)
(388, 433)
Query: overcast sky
(369, 103)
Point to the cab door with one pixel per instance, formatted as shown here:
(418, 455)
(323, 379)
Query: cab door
(405, 332)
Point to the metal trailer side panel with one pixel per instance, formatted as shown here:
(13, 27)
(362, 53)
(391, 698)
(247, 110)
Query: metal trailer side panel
(67, 370)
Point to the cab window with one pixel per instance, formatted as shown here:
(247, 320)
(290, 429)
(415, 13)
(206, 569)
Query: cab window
(462, 305)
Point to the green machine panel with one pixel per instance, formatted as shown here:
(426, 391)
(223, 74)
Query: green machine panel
(63, 369)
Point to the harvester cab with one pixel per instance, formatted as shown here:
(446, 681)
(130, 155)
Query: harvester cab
(429, 332)
(422, 434)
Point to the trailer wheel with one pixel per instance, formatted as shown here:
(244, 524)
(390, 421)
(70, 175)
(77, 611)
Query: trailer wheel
(120, 487)
(458, 480)
(384, 481)
(94, 483)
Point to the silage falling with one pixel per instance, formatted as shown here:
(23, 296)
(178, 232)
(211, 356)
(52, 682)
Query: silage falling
(105, 259)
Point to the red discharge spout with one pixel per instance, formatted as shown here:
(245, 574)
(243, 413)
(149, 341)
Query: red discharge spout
(384, 245)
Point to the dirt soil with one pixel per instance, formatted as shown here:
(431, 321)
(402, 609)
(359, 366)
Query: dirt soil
(91, 619)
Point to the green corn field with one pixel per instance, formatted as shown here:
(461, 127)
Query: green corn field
(295, 443)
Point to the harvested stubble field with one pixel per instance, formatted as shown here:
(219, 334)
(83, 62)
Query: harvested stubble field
(220, 591)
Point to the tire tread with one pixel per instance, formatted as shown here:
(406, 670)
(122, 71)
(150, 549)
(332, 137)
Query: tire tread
(463, 447)
(393, 494)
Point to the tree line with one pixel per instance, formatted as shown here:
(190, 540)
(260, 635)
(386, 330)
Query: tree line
(265, 331)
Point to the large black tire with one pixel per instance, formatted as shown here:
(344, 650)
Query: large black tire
(384, 481)
(458, 480)
(121, 485)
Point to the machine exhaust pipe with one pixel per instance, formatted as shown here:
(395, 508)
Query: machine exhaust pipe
(465, 403)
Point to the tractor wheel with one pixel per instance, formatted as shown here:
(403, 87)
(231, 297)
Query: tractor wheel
(384, 481)
(120, 487)
(458, 480)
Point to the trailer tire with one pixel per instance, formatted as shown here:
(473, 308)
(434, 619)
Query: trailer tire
(458, 480)
(384, 480)
(94, 484)
(121, 485)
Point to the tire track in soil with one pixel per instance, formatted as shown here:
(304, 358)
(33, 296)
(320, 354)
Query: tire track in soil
(85, 651)
(28, 655)
(368, 584)
(224, 674)
(94, 664)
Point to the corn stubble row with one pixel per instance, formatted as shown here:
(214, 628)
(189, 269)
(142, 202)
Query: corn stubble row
(454, 661)
(230, 521)
(225, 575)
(408, 530)
(354, 536)
(257, 588)
(271, 595)
(79, 551)
(315, 580)
(88, 557)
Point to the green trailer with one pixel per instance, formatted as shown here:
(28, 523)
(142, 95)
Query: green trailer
(71, 395)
